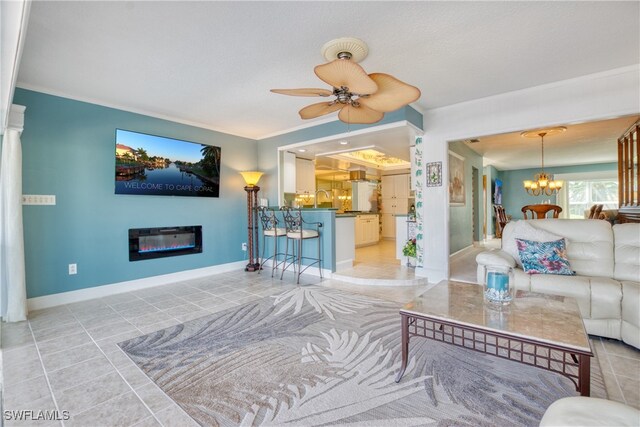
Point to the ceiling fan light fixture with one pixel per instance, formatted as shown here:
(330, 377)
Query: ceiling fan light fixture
(319, 109)
(361, 98)
(341, 73)
(391, 94)
(351, 45)
(359, 115)
(303, 92)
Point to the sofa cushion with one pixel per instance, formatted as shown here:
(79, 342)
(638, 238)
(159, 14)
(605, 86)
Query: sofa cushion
(589, 411)
(627, 251)
(609, 328)
(523, 230)
(569, 286)
(495, 258)
(606, 298)
(544, 257)
(630, 330)
(589, 243)
(522, 280)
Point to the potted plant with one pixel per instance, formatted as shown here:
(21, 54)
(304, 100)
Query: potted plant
(409, 250)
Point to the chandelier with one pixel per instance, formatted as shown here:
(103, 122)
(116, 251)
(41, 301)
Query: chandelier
(542, 184)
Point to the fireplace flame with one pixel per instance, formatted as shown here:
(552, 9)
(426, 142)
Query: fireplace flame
(176, 247)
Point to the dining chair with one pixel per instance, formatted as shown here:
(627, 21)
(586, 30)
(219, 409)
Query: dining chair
(501, 219)
(297, 234)
(595, 211)
(541, 210)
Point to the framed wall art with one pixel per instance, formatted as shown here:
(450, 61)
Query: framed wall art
(434, 174)
(456, 180)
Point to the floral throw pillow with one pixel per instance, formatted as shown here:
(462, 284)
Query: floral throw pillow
(544, 257)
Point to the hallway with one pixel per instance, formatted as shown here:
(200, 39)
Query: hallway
(462, 264)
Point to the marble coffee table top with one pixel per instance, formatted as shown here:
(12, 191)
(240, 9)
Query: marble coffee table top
(546, 318)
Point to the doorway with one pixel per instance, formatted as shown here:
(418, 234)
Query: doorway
(475, 211)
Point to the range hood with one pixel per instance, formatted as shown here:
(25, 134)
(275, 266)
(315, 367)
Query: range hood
(358, 175)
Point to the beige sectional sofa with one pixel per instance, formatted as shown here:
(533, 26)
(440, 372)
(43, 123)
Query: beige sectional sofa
(606, 260)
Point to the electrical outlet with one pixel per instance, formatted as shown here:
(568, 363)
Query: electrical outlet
(244, 247)
(73, 269)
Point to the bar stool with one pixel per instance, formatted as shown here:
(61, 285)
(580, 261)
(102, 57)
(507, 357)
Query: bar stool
(294, 224)
(270, 229)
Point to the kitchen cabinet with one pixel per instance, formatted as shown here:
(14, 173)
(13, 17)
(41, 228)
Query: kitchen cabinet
(305, 177)
(395, 206)
(372, 230)
(289, 172)
(395, 186)
(299, 175)
(388, 226)
(367, 230)
(395, 201)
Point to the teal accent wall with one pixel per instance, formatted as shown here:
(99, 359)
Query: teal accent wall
(68, 151)
(514, 197)
(461, 217)
(268, 147)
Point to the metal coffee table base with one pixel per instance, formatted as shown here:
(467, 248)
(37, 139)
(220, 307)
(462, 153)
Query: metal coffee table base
(571, 363)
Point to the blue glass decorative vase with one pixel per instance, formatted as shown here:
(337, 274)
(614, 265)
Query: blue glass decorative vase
(498, 285)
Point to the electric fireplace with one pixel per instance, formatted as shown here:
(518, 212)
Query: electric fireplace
(149, 243)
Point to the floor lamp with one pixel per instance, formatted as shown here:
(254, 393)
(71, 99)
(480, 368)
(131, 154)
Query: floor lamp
(251, 178)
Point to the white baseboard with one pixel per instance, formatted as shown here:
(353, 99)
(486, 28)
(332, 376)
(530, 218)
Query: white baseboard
(312, 271)
(53, 300)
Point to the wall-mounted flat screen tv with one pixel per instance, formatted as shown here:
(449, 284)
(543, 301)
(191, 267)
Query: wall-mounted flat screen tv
(154, 165)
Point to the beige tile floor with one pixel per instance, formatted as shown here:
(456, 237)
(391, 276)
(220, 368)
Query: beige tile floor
(377, 264)
(66, 358)
(620, 365)
(382, 253)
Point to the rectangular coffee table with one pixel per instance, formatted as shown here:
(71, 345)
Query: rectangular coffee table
(541, 330)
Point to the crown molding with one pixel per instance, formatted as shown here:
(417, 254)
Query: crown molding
(296, 128)
(143, 112)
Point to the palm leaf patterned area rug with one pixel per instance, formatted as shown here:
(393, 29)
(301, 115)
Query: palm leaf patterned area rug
(319, 356)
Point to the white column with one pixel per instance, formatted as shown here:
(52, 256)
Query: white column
(13, 293)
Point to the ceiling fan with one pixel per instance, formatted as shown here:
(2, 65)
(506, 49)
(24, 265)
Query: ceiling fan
(360, 97)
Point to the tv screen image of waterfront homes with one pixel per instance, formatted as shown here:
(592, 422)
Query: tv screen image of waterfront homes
(154, 165)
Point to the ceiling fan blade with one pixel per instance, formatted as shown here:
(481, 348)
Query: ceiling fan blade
(320, 109)
(361, 114)
(343, 72)
(303, 92)
(391, 95)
